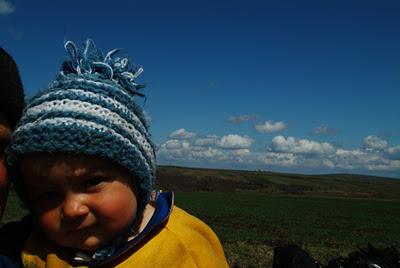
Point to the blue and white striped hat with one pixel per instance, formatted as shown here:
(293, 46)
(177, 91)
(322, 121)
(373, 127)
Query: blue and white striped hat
(90, 109)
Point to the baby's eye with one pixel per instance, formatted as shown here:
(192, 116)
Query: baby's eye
(95, 182)
(50, 195)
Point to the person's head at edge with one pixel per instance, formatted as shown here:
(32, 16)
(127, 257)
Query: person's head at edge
(11, 106)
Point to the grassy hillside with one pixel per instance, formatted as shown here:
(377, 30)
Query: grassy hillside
(334, 185)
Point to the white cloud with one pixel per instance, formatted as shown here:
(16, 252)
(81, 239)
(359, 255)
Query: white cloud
(393, 152)
(241, 118)
(270, 126)
(176, 144)
(374, 143)
(6, 7)
(299, 146)
(182, 134)
(277, 159)
(365, 160)
(200, 154)
(350, 159)
(230, 148)
(233, 141)
(328, 163)
(209, 140)
(324, 130)
(241, 152)
(174, 149)
(210, 154)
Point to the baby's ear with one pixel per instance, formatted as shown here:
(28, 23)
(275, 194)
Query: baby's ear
(134, 185)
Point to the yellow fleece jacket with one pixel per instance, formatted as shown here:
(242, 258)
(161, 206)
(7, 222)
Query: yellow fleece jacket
(184, 241)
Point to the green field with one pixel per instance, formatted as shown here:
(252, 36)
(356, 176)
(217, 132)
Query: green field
(252, 212)
(251, 224)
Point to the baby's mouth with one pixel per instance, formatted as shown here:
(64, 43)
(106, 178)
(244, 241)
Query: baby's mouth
(78, 230)
(78, 226)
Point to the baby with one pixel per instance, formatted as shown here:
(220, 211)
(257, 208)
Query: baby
(83, 162)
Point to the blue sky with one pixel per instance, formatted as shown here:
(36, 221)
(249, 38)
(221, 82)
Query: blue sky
(293, 86)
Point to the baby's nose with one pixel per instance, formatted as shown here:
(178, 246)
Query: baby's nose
(74, 206)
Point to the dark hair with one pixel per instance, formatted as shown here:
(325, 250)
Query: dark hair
(11, 89)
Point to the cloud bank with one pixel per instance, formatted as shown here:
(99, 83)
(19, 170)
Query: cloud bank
(299, 146)
(374, 154)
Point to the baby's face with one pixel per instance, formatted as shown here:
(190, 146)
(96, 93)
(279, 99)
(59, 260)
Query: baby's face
(80, 201)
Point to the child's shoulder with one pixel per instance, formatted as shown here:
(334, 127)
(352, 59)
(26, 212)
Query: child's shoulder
(181, 223)
(189, 236)
(183, 241)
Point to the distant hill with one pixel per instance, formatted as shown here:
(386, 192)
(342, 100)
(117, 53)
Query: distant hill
(221, 180)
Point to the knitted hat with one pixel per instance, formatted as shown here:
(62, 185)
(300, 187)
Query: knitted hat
(90, 109)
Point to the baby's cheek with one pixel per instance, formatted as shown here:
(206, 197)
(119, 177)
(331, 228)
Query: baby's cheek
(49, 221)
(119, 210)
